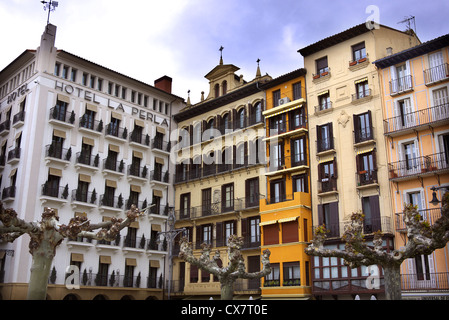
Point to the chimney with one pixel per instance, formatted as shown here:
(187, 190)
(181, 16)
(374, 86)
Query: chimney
(163, 83)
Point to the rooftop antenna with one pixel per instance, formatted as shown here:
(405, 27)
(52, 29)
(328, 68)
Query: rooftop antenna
(50, 6)
(408, 22)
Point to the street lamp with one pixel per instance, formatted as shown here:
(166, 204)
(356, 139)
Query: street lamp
(435, 200)
(170, 236)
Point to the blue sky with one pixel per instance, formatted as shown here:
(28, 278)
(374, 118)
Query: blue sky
(146, 39)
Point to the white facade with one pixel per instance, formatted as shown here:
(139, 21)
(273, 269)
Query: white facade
(76, 136)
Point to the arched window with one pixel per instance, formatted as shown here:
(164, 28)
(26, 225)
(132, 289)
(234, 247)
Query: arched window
(241, 118)
(226, 123)
(217, 90)
(224, 87)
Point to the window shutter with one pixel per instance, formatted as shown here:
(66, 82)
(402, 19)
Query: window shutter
(290, 231)
(219, 234)
(334, 219)
(335, 168)
(244, 225)
(320, 214)
(375, 213)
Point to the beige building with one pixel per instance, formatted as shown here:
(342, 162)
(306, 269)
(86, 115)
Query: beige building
(220, 177)
(348, 161)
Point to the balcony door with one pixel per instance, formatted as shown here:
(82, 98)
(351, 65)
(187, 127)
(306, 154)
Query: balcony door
(410, 160)
(405, 117)
(440, 110)
(436, 60)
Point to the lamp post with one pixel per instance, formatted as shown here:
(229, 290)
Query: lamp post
(435, 200)
(170, 236)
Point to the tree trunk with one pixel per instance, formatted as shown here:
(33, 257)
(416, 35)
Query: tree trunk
(40, 271)
(392, 278)
(227, 289)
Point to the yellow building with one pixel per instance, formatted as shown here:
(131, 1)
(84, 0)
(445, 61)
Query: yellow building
(415, 85)
(348, 162)
(218, 180)
(285, 213)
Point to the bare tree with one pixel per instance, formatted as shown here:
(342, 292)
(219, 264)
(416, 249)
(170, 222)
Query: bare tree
(226, 275)
(422, 238)
(47, 234)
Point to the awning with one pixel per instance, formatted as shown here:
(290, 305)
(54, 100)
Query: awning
(55, 172)
(59, 133)
(323, 93)
(287, 219)
(131, 262)
(266, 223)
(105, 259)
(283, 111)
(327, 158)
(63, 98)
(88, 141)
(114, 148)
(154, 264)
(365, 150)
(361, 80)
(156, 227)
(78, 257)
(91, 107)
(84, 178)
(111, 183)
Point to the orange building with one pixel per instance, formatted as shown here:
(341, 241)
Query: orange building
(285, 213)
(415, 87)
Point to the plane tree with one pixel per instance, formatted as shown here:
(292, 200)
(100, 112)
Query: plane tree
(229, 274)
(422, 239)
(48, 233)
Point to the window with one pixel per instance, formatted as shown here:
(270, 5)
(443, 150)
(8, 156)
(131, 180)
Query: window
(292, 274)
(297, 118)
(277, 160)
(324, 101)
(422, 267)
(325, 136)
(410, 159)
(241, 119)
(277, 191)
(102, 277)
(217, 90)
(290, 231)
(229, 229)
(134, 199)
(297, 92)
(358, 51)
(60, 110)
(57, 69)
(184, 211)
(300, 183)
(73, 75)
(256, 113)
(276, 98)
(322, 66)
(108, 198)
(65, 72)
(328, 215)
(227, 194)
(88, 119)
(84, 79)
(252, 192)
(443, 155)
(206, 199)
(224, 87)
(85, 156)
(366, 167)
(371, 210)
(206, 234)
(440, 108)
(92, 81)
(277, 124)
(298, 152)
(363, 127)
(254, 230)
(327, 176)
(272, 279)
(362, 89)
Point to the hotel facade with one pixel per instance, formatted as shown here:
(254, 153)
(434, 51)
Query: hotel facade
(86, 140)
(414, 86)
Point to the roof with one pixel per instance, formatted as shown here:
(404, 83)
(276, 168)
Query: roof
(122, 75)
(284, 78)
(423, 48)
(338, 38)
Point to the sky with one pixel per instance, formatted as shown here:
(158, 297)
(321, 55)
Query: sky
(147, 39)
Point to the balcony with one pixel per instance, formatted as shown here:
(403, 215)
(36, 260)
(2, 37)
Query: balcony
(87, 161)
(362, 96)
(366, 178)
(213, 209)
(288, 164)
(436, 115)
(88, 199)
(62, 119)
(55, 153)
(325, 145)
(401, 85)
(370, 226)
(116, 133)
(160, 145)
(287, 128)
(14, 155)
(159, 176)
(111, 203)
(5, 126)
(323, 108)
(9, 193)
(114, 168)
(327, 185)
(139, 140)
(86, 124)
(345, 285)
(51, 193)
(437, 74)
(419, 166)
(429, 215)
(137, 173)
(363, 135)
(425, 282)
(18, 119)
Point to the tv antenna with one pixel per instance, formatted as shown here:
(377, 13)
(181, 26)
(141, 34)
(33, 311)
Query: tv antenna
(409, 21)
(50, 6)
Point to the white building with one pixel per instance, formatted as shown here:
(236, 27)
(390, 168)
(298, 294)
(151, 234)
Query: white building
(86, 140)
